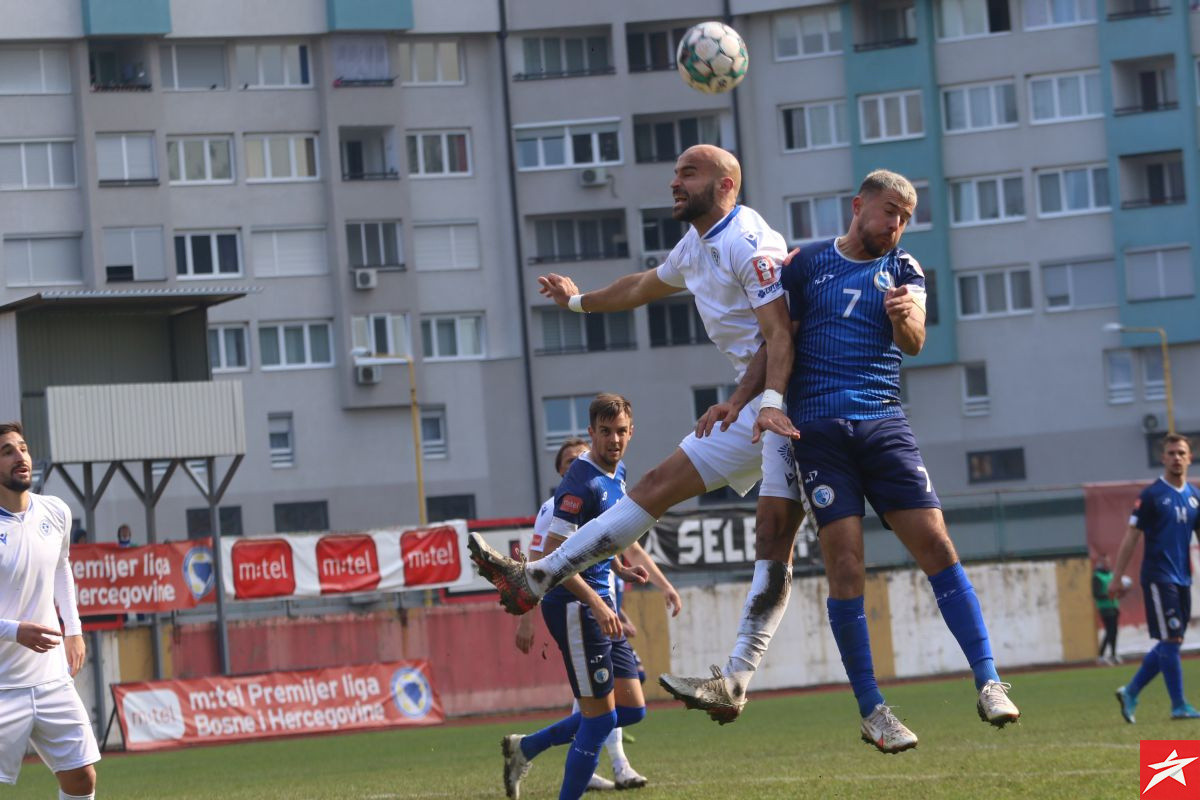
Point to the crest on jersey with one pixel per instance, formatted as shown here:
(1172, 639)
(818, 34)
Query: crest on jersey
(884, 280)
(716, 255)
(45, 527)
(1193, 502)
(571, 504)
(3, 537)
(764, 268)
(823, 496)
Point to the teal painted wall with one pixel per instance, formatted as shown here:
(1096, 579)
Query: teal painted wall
(370, 15)
(126, 17)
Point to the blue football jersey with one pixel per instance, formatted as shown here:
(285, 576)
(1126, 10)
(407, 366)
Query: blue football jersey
(585, 493)
(846, 364)
(1167, 517)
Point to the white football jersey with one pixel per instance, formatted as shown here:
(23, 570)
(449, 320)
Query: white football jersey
(541, 527)
(34, 573)
(731, 270)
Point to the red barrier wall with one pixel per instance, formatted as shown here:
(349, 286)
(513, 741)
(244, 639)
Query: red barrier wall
(475, 665)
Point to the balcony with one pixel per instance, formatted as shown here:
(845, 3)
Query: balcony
(578, 55)
(118, 67)
(1144, 85)
(883, 24)
(1152, 179)
(368, 154)
(1132, 9)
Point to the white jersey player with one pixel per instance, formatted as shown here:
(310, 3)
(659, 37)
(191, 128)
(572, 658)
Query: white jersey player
(38, 701)
(730, 261)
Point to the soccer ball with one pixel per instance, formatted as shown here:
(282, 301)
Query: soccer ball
(712, 57)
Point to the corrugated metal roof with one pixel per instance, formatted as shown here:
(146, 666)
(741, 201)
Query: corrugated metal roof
(163, 297)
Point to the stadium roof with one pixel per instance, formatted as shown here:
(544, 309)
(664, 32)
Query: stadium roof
(175, 299)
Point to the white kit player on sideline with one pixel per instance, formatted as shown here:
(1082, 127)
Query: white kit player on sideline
(729, 259)
(38, 701)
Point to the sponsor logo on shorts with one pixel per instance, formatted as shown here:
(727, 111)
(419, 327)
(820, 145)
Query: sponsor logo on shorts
(570, 504)
(412, 693)
(810, 476)
(600, 675)
(884, 281)
(1173, 623)
(822, 496)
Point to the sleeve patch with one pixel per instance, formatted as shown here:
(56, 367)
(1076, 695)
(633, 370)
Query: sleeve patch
(766, 269)
(570, 504)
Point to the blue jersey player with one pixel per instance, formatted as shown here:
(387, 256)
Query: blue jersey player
(581, 615)
(1167, 514)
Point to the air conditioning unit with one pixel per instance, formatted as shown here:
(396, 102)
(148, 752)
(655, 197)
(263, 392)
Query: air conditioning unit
(366, 278)
(1150, 423)
(651, 261)
(368, 374)
(593, 176)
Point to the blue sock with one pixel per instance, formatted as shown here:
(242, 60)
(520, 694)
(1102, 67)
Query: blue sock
(1172, 671)
(848, 621)
(630, 715)
(584, 755)
(560, 732)
(1150, 667)
(960, 609)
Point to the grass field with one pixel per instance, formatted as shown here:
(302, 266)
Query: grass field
(1071, 743)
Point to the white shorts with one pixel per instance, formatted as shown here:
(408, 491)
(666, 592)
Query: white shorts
(52, 718)
(728, 458)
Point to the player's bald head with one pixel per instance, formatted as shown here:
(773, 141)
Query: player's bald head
(717, 161)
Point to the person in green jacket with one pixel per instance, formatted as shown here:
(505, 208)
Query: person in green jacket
(1109, 608)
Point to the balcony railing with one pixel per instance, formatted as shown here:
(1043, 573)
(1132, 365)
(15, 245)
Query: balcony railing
(585, 348)
(1153, 11)
(122, 86)
(1123, 111)
(567, 73)
(620, 251)
(110, 182)
(1147, 202)
(884, 44)
(390, 175)
(343, 83)
(657, 66)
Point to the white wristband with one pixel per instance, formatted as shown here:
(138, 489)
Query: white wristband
(771, 399)
(8, 630)
(576, 304)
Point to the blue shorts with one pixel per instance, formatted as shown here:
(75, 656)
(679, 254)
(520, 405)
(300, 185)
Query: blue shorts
(591, 658)
(841, 461)
(1168, 609)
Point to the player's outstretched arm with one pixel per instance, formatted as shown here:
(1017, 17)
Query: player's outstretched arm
(626, 292)
(906, 309)
(777, 332)
(1123, 555)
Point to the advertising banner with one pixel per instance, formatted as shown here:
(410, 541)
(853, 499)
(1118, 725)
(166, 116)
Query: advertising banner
(110, 579)
(164, 714)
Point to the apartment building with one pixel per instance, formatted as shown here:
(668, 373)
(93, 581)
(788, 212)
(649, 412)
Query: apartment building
(305, 197)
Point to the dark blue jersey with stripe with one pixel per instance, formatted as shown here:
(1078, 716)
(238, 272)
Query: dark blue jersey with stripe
(846, 366)
(586, 492)
(1167, 518)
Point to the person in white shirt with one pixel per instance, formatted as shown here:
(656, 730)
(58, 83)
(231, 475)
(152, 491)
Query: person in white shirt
(38, 701)
(730, 260)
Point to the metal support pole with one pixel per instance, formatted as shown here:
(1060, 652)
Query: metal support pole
(214, 518)
(1166, 356)
(148, 502)
(418, 456)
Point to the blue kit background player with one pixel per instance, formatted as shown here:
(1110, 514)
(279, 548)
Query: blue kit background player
(581, 615)
(1167, 514)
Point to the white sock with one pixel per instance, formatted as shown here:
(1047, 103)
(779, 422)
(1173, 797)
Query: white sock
(604, 536)
(765, 604)
(64, 796)
(616, 749)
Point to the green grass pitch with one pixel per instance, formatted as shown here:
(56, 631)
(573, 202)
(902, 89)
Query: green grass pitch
(1070, 743)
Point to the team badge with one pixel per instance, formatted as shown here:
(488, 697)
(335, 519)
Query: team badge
(3, 537)
(764, 267)
(822, 496)
(600, 675)
(1193, 502)
(45, 527)
(412, 692)
(716, 255)
(570, 504)
(884, 281)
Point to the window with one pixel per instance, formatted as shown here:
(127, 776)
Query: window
(1159, 273)
(433, 433)
(300, 517)
(814, 126)
(819, 217)
(42, 260)
(1152, 180)
(281, 157)
(368, 154)
(704, 397)
(288, 252)
(281, 439)
(995, 293)
(378, 244)
(227, 348)
(134, 254)
(199, 522)
(664, 140)
(125, 159)
(361, 61)
(996, 465)
(815, 32)
(438, 153)
(37, 165)
(1153, 382)
(564, 57)
(981, 107)
(959, 19)
(207, 254)
(565, 417)
(922, 218)
(118, 65)
(1085, 284)
(1118, 374)
(200, 159)
(561, 239)
(423, 63)
(445, 338)
(653, 50)
(35, 70)
(272, 66)
(565, 331)
(450, 506)
(675, 322)
(381, 336)
(587, 143)
(980, 201)
(447, 246)
(295, 345)
(1055, 13)
(192, 66)
(1067, 96)
(884, 117)
(1076, 190)
(660, 231)
(975, 391)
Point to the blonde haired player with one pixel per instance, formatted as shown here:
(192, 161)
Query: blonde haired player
(38, 701)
